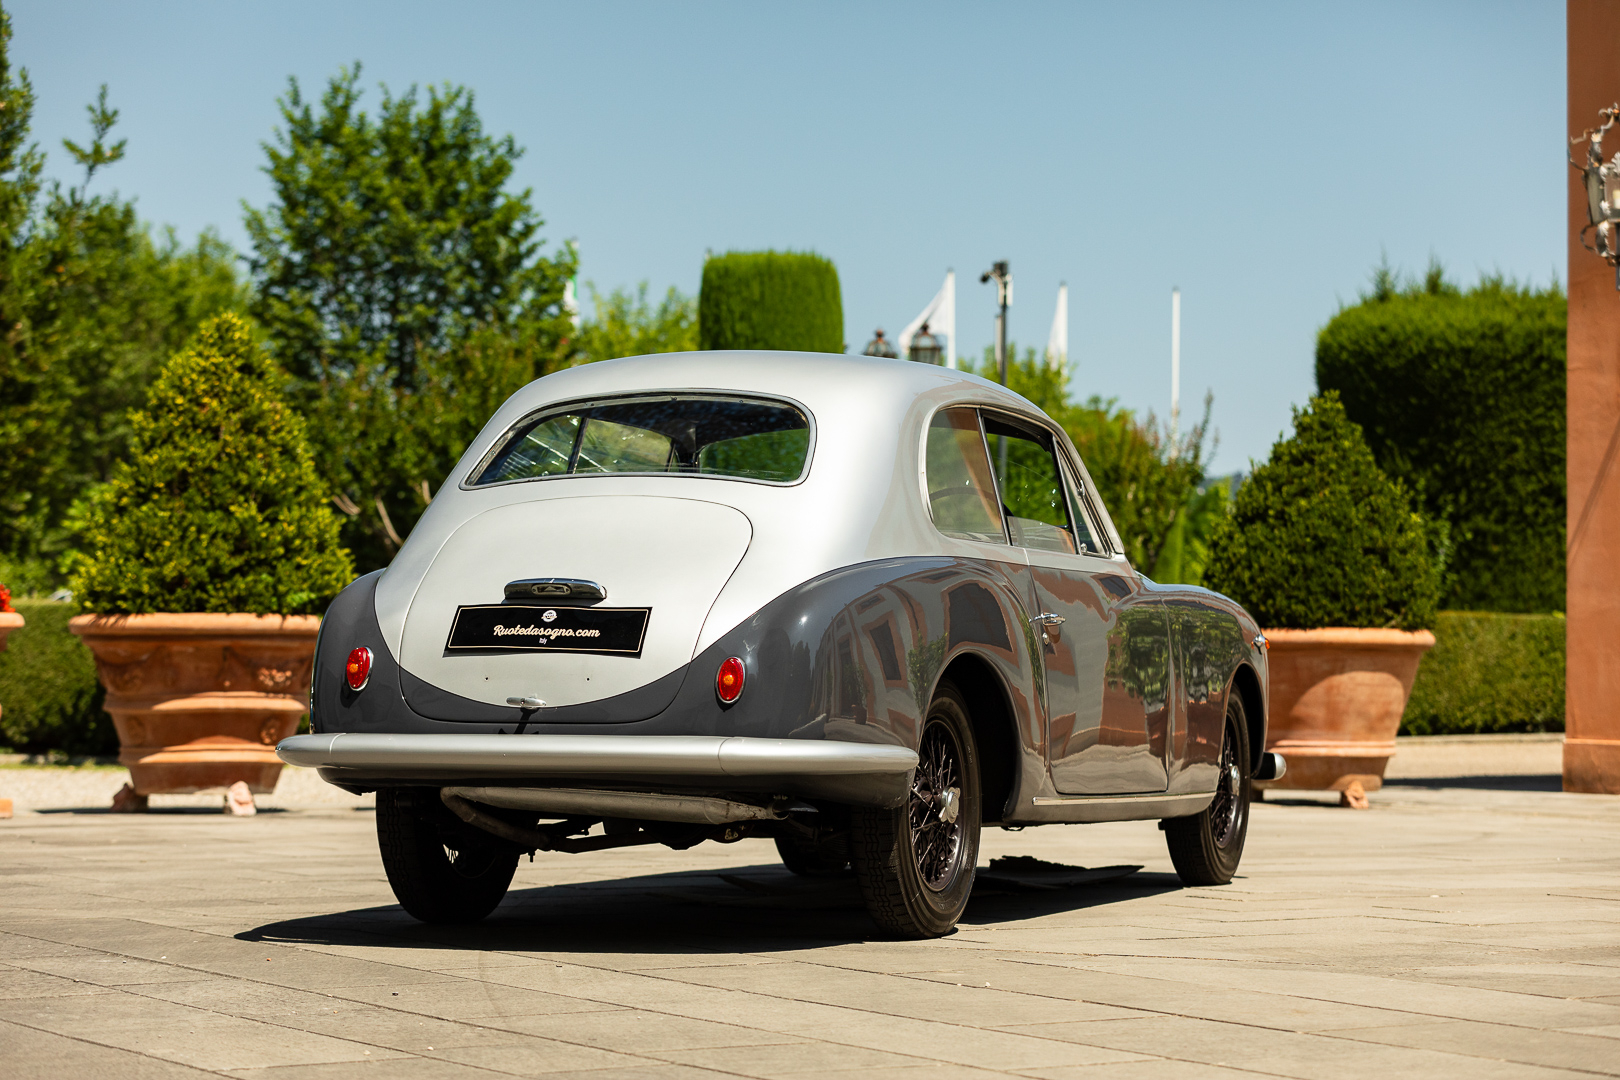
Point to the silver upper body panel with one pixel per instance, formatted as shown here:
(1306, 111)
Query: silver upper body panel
(862, 498)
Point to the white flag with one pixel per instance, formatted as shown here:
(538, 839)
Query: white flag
(940, 315)
(1057, 342)
(570, 303)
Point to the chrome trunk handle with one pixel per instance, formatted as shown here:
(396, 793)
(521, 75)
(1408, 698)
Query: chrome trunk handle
(554, 588)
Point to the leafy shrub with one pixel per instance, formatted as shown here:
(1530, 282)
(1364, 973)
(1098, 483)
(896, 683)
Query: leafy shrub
(1319, 536)
(1489, 672)
(1461, 397)
(770, 300)
(50, 699)
(218, 508)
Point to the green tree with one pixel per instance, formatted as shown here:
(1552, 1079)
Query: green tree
(1461, 395)
(770, 300)
(395, 272)
(92, 306)
(626, 324)
(1319, 536)
(218, 508)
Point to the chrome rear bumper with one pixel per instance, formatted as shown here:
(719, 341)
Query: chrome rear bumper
(864, 773)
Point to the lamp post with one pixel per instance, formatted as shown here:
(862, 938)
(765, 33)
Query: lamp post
(999, 273)
(925, 348)
(881, 346)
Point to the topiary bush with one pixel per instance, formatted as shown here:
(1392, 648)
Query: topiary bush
(218, 507)
(770, 300)
(1319, 536)
(50, 699)
(1461, 397)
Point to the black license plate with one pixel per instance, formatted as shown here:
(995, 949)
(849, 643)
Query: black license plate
(531, 628)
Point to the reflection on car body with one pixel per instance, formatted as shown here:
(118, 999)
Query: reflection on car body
(876, 604)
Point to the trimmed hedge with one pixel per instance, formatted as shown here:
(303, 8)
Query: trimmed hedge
(50, 699)
(1461, 396)
(1488, 672)
(1319, 536)
(770, 300)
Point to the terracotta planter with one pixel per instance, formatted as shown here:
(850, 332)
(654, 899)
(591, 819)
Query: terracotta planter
(9, 621)
(1336, 701)
(200, 701)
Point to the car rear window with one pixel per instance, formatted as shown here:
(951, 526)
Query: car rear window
(693, 434)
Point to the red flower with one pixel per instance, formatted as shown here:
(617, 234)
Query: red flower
(5, 600)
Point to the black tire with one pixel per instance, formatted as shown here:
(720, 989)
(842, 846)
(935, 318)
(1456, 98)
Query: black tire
(1207, 847)
(823, 858)
(441, 869)
(915, 864)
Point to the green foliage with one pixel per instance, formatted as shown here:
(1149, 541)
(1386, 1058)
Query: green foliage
(218, 508)
(1185, 552)
(1145, 477)
(770, 300)
(628, 325)
(396, 272)
(1489, 672)
(50, 698)
(92, 306)
(1461, 397)
(1319, 536)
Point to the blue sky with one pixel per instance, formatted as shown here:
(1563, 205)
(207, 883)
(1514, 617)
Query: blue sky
(1263, 157)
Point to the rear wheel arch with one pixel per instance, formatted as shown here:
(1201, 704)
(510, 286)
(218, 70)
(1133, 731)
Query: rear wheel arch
(990, 713)
(1246, 684)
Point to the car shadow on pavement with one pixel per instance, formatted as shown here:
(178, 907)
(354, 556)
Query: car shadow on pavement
(745, 909)
(1535, 782)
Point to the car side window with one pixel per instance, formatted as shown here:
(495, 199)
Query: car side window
(1085, 536)
(1031, 485)
(961, 491)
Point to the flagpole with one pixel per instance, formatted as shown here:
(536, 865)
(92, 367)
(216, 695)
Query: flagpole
(1175, 365)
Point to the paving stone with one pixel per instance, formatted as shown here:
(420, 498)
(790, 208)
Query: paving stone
(1447, 931)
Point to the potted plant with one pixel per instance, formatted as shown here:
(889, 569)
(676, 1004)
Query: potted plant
(202, 564)
(1329, 556)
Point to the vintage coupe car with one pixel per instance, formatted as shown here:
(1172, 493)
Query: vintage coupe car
(861, 606)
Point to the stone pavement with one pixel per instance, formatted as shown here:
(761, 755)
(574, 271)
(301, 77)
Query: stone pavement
(1459, 928)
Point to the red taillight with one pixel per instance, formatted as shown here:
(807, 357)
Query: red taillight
(728, 682)
(358, 669)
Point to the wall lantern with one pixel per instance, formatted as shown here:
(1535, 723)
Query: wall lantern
(925, 348)
(1602, 190)
(880, 346)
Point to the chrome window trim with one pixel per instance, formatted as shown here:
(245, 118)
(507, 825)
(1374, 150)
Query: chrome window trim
(467, 484)
(1060, 452)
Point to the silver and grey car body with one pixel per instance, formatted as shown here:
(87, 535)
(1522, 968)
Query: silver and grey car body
(1095, 693)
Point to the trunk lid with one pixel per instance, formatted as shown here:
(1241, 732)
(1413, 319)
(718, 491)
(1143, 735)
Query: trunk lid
(668, 555)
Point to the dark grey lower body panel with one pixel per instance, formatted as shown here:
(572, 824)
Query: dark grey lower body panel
(859, 773)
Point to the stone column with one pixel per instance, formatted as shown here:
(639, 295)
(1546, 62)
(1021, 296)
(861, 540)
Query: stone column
(1592, 681)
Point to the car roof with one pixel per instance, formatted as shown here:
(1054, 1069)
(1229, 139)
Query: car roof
(820, 381)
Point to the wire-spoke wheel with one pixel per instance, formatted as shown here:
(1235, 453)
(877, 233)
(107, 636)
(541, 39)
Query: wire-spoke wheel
(441, 870)
(1206, 847)
(915, 863)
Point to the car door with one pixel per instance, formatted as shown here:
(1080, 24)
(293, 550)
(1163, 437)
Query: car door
(1105, 639)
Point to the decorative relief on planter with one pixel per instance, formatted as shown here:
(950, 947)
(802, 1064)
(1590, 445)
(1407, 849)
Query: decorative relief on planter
(200, 701)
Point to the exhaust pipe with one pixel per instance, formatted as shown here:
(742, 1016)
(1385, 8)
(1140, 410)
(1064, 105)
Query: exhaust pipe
(634, 805)
(1272, 767)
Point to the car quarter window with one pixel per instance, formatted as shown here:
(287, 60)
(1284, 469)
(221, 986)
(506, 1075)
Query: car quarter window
(1085, 535)
(1031, 485)
(697, 434)
(961, 492)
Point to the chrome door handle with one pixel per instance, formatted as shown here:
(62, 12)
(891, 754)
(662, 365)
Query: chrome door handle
(1048, 618)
